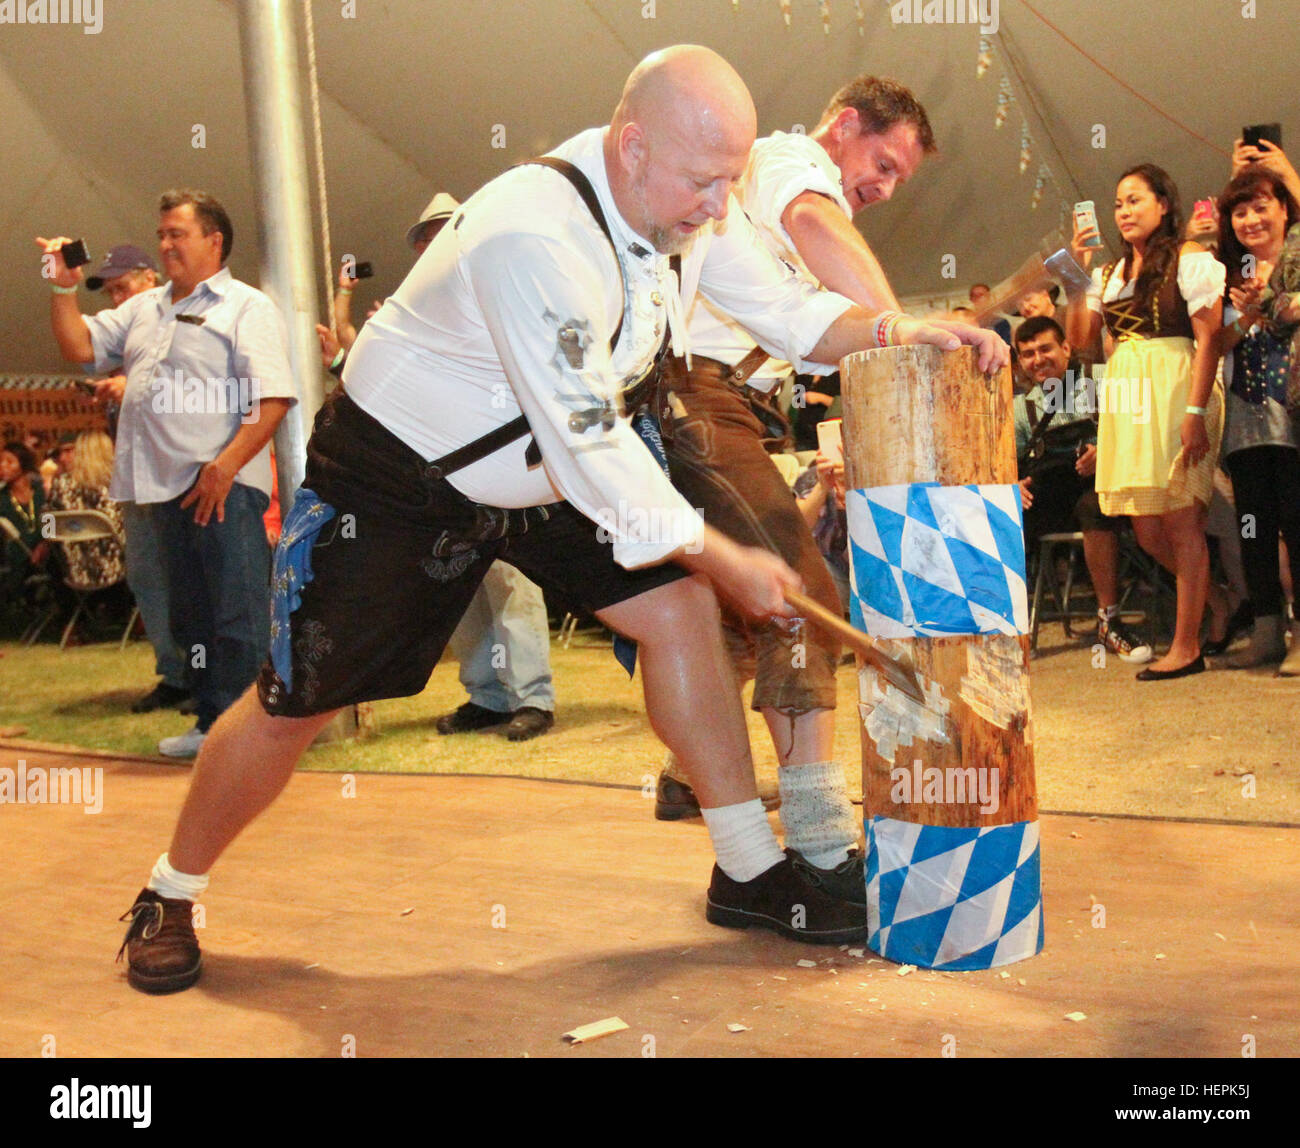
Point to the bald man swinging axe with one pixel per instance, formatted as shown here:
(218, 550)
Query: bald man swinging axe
(482, 420)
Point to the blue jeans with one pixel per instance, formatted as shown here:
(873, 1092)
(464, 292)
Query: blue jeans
(218, 583)
(146, 574)
(503, 644)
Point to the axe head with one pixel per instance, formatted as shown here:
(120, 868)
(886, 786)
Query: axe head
(1060, 265)
(1035, 274)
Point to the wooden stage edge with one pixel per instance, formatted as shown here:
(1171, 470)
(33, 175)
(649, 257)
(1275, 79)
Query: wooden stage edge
(418, 915)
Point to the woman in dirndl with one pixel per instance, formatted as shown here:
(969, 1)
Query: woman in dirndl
(1160, 413)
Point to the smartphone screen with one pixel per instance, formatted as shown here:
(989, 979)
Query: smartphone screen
(830, 440)
(1085, 215)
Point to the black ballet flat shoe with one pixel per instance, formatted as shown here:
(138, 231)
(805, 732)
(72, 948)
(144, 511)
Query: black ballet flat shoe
(1195, 666)
(1243, 617)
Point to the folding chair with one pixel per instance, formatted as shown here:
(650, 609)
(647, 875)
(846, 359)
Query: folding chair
(78, 527)
(1046, 579)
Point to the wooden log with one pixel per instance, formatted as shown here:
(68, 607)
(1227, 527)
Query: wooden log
(938, 569)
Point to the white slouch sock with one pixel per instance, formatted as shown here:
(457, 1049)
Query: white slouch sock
(175, 885)
(742, 839)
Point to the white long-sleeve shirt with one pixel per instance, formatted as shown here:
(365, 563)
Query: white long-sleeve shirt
(781, 167)
(512, 308)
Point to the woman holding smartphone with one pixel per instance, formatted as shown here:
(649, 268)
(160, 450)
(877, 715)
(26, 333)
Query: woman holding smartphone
(1160, 415)
(1260, 220)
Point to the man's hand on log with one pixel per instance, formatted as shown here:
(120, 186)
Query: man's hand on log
(994, 354)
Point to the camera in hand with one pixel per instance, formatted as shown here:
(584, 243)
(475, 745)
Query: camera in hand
(363, 271)
(75, 254)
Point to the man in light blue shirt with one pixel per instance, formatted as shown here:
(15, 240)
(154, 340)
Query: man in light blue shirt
(207, 381)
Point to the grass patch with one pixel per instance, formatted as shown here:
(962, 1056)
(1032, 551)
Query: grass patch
(1219, 746)
(82, 696)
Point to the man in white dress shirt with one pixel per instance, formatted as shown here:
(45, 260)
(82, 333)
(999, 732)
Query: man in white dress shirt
(513, 309)
(207, 381)
(801, 193)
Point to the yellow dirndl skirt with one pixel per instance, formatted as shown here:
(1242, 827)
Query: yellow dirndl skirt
(1141, 402)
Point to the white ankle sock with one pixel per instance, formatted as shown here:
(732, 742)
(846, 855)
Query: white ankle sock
(816, 812)
(1108, 613)
(175, 885)
(742, 839)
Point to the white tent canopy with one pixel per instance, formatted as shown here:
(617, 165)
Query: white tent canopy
(417, 95)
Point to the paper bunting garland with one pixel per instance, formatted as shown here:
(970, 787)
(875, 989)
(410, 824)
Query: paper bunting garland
(1044, 174)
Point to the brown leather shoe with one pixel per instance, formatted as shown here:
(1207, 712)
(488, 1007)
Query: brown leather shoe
(162, 952)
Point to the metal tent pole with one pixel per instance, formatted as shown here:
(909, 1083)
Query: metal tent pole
(272, 96)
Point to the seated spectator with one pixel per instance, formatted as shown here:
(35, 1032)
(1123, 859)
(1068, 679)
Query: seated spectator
(22, 499)
(85, 487)
(1056, 448)
(1041, 302)
(1044, 302)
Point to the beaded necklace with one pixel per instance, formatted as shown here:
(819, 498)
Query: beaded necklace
(26, 513)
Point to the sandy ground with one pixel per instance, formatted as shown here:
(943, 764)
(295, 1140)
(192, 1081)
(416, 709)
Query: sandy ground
(436, 916)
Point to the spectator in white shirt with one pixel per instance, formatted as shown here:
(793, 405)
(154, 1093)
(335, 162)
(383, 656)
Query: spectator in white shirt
(127, 270)
(206, 383)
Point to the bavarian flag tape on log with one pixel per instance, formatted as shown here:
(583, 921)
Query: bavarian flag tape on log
(952, 869)
(946, 898)
(928, 559)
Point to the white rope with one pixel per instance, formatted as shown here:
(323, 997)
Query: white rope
(320, 162)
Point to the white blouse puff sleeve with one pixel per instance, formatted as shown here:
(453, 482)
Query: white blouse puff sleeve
(1093, 298)
(1201, 279)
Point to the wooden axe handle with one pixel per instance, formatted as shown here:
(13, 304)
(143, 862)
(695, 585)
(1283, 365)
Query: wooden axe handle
(900, 675)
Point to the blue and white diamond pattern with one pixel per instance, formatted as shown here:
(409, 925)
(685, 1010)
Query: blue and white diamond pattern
(953, 898)
(929, 560)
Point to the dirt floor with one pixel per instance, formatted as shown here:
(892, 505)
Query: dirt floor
(399, 916)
